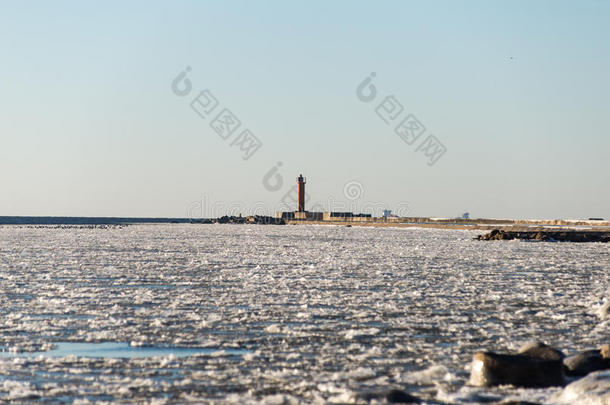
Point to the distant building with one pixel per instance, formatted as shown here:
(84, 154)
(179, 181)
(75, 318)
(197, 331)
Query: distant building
(346, 216)
(306, 215)
(302, 215)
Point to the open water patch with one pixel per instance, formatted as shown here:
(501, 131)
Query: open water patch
(123, 350)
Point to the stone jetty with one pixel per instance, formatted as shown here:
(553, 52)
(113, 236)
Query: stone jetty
(548, 235)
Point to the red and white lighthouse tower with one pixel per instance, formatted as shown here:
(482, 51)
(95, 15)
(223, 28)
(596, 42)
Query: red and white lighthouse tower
(301, 193)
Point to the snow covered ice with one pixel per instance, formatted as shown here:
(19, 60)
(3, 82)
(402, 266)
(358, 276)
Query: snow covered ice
(286, 314)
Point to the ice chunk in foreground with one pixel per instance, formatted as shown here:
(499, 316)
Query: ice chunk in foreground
(594, 389)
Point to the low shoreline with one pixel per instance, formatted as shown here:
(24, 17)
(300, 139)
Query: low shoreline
(516, 227)
(538, 232)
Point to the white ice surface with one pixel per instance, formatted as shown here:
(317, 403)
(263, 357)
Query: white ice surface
(325, 313)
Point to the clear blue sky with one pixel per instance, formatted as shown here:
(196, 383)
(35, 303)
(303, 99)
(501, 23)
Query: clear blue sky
(517, 91)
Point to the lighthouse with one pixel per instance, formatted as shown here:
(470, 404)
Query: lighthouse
(301, 193)
(301, 215)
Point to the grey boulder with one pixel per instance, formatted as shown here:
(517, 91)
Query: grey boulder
(584, 363)
(541, 351)
(491, 369)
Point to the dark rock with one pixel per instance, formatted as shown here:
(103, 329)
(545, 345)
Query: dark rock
(495, 234)
(394, 396)
(490, 369)
(369, 396)
(540, 350)
(265, 220)
(584, 363)
(223, 220)
(540, 236)
(401, 397)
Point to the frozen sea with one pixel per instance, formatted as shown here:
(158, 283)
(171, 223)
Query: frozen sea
(282, 314)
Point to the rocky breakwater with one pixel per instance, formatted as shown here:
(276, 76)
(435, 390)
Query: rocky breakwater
(585, 375)
(252, 219)
(548, 235)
